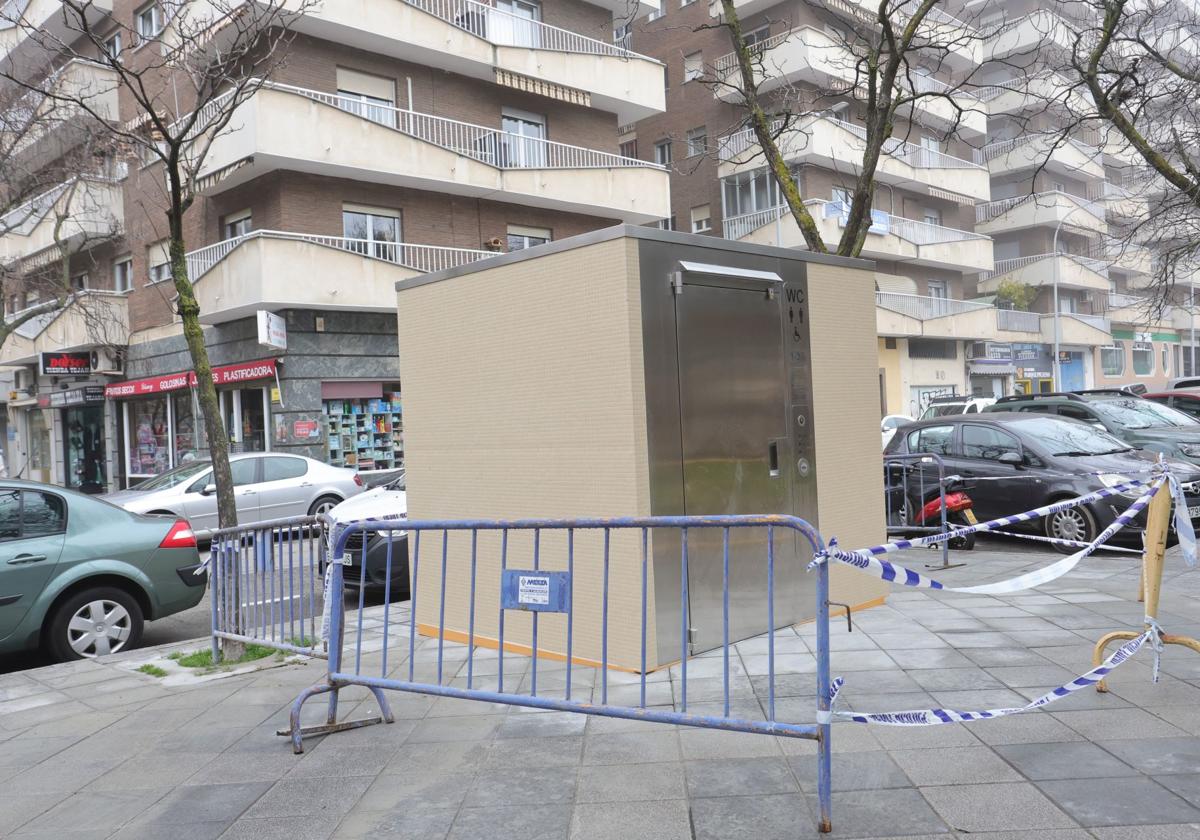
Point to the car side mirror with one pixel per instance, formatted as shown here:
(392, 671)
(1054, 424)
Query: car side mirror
(1013, 459)
(208, 490)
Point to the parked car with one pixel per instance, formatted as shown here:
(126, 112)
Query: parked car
(386, 502)
(1186, 400)
(962, 404)
(79, 577)
(889, 424)
(1032, 459)
(1184, 382)
(1139, 422)
(267, 485)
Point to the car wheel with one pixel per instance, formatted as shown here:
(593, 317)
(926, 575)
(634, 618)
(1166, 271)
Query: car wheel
(1075, 523)
(93, 623)
(323, 505)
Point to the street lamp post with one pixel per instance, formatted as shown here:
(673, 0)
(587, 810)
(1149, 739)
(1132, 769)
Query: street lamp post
(1057, 323)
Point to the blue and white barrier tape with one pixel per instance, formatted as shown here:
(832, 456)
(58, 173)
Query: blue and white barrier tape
(1068, 543)
(933, 717)
(864, 561)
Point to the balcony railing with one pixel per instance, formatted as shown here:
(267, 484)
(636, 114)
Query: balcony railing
(1017, 263)
(732, 145)
(910, 230)
(1012, 319)
(508, 30)
(923, 307)
(501, 149)
(1003, 147)
(423, 258)
(994, 209)
(22, 219)
(1100, 323)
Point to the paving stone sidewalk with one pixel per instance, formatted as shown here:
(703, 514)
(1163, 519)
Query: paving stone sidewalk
(92, 750)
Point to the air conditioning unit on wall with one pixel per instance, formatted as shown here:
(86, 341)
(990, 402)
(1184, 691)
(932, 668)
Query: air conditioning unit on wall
(25, 382)
(107, 361)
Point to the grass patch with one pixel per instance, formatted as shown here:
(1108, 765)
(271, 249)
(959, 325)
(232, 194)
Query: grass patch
(152, 670)
(303, 642)
(203, 658)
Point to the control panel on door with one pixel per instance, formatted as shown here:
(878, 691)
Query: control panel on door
(799, 371)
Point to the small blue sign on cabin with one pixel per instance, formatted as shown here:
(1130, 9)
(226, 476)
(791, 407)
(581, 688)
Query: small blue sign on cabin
(525, 589)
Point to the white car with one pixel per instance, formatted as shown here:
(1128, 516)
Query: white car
(387, 502)
(267, 485)
(946, 406)
(889, 425)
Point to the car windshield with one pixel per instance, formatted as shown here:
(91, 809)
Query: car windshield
(1137, 413)
(1065, 437)
(179, 475)
(943, 410)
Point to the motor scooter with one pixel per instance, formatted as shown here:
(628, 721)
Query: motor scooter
(958, 511)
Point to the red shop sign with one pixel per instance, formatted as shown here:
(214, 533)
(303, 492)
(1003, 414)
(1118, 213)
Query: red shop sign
(224, 375)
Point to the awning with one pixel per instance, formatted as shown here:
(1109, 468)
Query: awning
(222, 375)
(984, 369)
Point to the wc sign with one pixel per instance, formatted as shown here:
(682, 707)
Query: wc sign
(272, 330)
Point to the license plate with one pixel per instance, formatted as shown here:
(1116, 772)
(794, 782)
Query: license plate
(1194, 512)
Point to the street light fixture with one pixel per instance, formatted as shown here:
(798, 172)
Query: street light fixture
(1057, 369)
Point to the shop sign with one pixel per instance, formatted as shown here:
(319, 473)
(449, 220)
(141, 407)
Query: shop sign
(224, 375)
(1026, 352)
(1032, 373)
(272, 330)
(75, 396)
(66, 364)
(306, 429)
(991, 351)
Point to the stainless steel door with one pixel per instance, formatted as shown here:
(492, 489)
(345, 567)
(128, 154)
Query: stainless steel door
(736, 451)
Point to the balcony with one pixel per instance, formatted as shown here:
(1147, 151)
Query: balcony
(25, 58)
(1028, 35)
(1130, 203)
(935, 317)
(1036, 92)
(1044, 209)
(1064, 156)
(892, 238)
(53, 126)
(76, 214)
(283, 127)
(1039, 271)
(1079, 330)
(805, 54)
(239, 276)
(476, 40)
(1137, 311)
(1131, 260)
(89, 319)
(836, 144)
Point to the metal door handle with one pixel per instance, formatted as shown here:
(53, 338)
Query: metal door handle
(21, 559)
(773, 458)
(247, 493)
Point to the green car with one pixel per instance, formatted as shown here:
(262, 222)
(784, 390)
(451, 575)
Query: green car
(79, 577)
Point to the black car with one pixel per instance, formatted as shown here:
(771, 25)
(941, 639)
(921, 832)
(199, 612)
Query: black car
(1032, 460)
(386, 502)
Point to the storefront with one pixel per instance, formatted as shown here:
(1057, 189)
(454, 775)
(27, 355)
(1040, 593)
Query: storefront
(365, 425)
(990, 367)
(80, 416)
(161, 421)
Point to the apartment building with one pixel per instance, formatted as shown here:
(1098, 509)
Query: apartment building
(968, 201)
(398, 137)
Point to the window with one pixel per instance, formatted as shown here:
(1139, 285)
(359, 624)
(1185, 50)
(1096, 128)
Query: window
(697, 140)
(159, 261)
(841, 196)
(931, 216)
(10, 514)
(370, 97)
(936, 288)
(987, 442)
(112, 47)
(14, 303)
(932, 348)
(628, 149)
(750, 192)
(1143, 358)
(662, 152)
(123, 274)
(279, 469)
(932, 439)
(693, 66)
(758, 36)
(523, 142)
(666, 224)
(1066, 304)
(79, 282)
(622, 35)
(372, 231)
(236, 224)
(42, 514)
(148, 21)
(521, 237)
(701, 219)
(1166, 359)
(1112, 358)
(655, 14)
(31, 298)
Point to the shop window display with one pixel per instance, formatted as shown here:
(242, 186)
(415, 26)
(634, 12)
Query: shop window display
(147, 444)
(189, 438)
(366, 434)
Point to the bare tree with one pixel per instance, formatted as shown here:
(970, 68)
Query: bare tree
(888, 63)
(187, 81)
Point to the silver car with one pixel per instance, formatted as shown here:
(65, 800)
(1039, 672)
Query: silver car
(266, 486)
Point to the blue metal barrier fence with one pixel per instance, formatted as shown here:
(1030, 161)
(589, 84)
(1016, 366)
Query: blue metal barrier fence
(387, 541)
